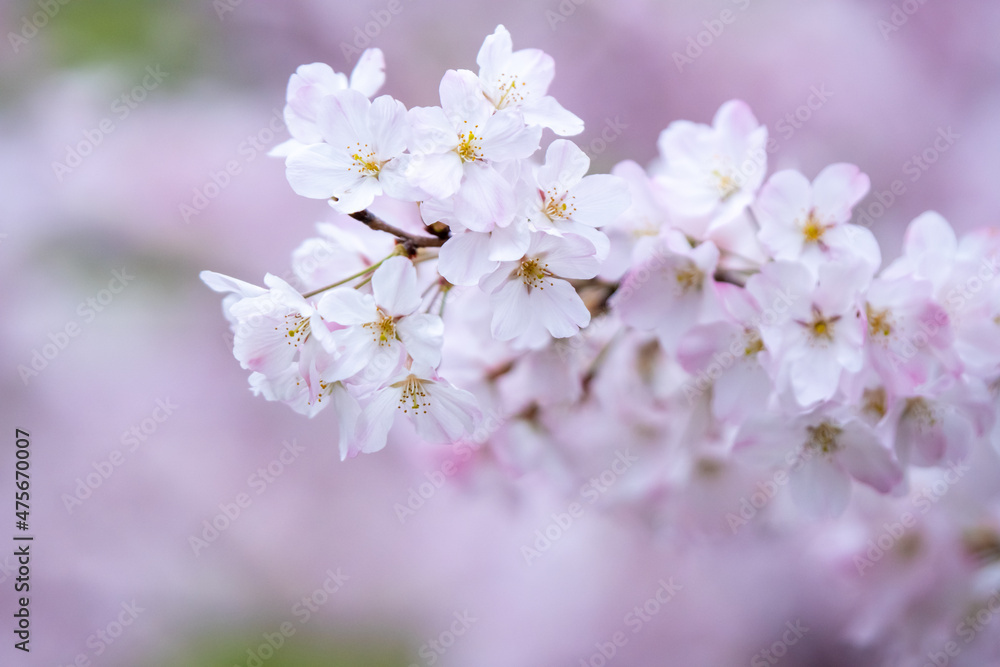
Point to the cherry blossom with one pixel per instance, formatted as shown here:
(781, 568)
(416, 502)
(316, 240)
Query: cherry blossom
(311, 83)
(519, 80)
(806, 222)
(362, 154)
(458, 146)
(711, 173)
(531, 296)
(381, 329)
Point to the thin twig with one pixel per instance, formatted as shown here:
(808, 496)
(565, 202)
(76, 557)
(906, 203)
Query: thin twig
(410, 240)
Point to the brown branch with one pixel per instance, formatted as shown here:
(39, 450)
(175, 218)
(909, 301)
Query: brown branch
(409, 240)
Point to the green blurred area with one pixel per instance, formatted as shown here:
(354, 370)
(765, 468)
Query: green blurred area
(295, 651)
(85, 32)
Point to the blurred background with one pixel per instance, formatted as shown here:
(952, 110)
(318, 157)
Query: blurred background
(180, 521)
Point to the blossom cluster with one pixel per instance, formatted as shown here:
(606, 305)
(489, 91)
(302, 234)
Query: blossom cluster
(698, 307)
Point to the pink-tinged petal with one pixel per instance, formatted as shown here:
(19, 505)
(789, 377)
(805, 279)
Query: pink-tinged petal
(358, 197)
(820, 487)
(866, 459)
(598, 243)
(343, 120)
(347, 307)
(743, 391)
(568, 256)
(395, 184)
(348, 412)
(565, 166)
(376, 419)
(814, 377)
(451, 413)
(511, 310)
(439, 175)
(931, 244)
(697, 347)
(431, 131)
(462, 100)
(765, 440)
(485, 198)
(505, 137)
(837, 189)
(353, 349)
(492, 282)
(306, 87)
(422, 335)
(464, 258)
(735, 118)
(839, 286)
(547, 112)
(286, 148)
(559, 308)
(395, 286)
(368, 75)
(223, 283)
(534, 69)
(387, 120)
(640, 298)
(600, 199)
(782, 206)
(320, 172)
(856, 243)
(509, 243)
(739, 303)
(494, 53)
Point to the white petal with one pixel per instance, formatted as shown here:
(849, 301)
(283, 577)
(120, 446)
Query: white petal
(547, 112)
(369, 74)
(565, 166)
(600, 199)
(837, 189)
(464, 258)
(395, 286)
(559, 308)
(348, 411)
(376, 420)
(868, 461)
(223, 283)
(347, 306)
(511, 310)
(423, 335)
(451, 413)
(505, 137)
(821, 487)
(485, 198)
(320, 172)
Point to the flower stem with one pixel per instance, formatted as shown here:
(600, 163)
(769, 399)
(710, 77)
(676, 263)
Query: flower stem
(348, 279)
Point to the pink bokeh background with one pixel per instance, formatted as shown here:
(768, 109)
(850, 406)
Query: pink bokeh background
(164, 337)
